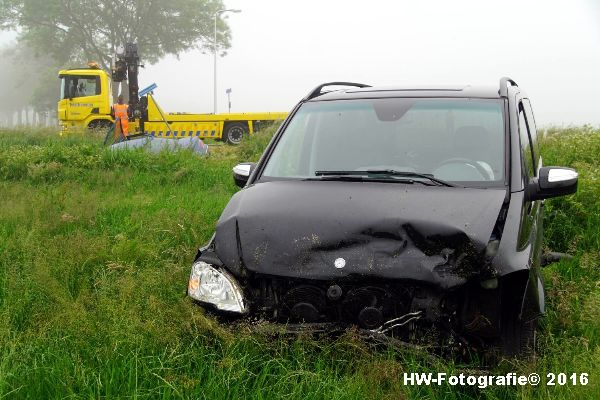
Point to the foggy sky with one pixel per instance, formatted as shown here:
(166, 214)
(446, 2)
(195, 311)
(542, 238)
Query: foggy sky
(281, 49)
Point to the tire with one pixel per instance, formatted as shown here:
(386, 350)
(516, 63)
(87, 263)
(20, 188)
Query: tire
(518, 336)
(235, 132)
(99, 124)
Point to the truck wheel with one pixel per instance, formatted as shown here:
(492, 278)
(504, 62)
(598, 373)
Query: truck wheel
(100, 124)
(234, 133)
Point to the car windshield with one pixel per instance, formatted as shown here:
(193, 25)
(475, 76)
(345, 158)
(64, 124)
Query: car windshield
(453, 140)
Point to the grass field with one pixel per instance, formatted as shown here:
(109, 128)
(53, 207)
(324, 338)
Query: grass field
(95, 252)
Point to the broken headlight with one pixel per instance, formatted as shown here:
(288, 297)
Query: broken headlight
(209, 285)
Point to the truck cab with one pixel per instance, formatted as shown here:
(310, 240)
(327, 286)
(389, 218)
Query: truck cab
(85, 99)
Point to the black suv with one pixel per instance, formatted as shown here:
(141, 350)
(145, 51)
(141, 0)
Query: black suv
(411, 211)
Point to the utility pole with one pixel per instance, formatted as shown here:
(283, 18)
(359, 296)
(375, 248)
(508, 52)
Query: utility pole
(215, 54)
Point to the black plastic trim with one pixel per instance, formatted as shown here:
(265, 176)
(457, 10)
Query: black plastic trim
(316, 92)
(504, 81)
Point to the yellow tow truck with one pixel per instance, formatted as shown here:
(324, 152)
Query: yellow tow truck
(86, 101)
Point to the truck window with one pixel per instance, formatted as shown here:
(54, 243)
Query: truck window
(526, 149)
(74, 86)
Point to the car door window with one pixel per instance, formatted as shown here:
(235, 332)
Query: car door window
(532, 133)
(526, 147)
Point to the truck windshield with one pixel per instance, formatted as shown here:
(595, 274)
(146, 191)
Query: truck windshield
(455, 140)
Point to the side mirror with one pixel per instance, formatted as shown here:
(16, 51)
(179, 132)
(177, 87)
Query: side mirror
(553, 182)
(241, 173)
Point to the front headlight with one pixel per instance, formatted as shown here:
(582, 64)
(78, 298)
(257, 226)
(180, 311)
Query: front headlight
(209, 285)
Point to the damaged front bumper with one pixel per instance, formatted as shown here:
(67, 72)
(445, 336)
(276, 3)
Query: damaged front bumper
(411, 311)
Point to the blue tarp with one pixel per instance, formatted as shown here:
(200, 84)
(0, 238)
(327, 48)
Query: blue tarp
(156, 145)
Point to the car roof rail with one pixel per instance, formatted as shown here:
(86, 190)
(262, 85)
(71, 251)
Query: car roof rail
(504, 81)
(316, 92)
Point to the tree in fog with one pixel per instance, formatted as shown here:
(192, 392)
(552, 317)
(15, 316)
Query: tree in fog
(84, 30)
(71, 33)
(28, 81)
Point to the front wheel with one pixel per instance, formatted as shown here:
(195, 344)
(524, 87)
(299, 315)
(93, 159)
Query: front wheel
(234, 133)
(99, 124)
(518, 335)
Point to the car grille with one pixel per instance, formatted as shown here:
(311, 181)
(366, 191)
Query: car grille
(366, 305)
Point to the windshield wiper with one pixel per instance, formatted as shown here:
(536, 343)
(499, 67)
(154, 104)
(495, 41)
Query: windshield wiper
(356, 178)
(410, 174)
(388, 172)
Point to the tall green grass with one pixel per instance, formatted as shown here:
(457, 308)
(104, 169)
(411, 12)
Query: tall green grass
(95, 251)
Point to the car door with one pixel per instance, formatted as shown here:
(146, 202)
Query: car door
(537, 164)
(530, 236)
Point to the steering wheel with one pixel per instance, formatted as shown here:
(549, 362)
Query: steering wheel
(458, 160)
(397, 163)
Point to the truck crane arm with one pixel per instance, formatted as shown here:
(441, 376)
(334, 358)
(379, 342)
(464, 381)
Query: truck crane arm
(126, 68)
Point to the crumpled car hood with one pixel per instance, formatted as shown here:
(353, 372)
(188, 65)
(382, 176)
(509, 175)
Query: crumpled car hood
(329, 230)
